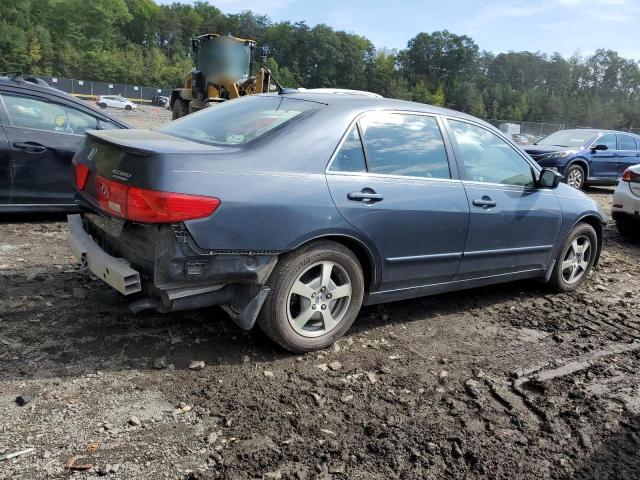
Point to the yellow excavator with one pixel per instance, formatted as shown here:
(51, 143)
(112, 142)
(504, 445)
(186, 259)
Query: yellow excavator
(222, 72)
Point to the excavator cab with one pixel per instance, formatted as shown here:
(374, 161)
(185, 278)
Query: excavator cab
(222, 72)
(223, 58)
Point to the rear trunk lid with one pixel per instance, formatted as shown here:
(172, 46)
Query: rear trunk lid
(114, 163)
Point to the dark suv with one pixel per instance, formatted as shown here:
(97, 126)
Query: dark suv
(587, 156)
(40, 130)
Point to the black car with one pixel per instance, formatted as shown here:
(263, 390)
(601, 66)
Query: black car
(40, 130)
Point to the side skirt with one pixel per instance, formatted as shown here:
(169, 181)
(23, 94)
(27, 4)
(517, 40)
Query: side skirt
(434, 289)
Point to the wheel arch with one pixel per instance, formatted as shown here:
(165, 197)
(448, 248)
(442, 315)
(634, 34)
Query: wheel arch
(596, 223)
(365, 255)
(584, 163)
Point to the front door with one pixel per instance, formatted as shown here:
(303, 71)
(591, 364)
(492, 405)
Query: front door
(43, 136)
(513, 225)
(400, 193)
(604, 163)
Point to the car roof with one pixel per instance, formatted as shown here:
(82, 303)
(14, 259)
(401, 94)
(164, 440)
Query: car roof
(28, 86)
(598, 131)
(358, 101)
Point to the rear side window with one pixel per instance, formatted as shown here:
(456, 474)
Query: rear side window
(350, 157)
(626, 142)
(240, 121)
(404, 144)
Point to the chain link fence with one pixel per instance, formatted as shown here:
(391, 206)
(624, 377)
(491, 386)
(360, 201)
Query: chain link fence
(90, 90)
(539, 129)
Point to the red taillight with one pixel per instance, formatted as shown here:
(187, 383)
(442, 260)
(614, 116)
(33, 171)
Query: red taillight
(151, 206)
(156, 207)
(630, 176)
(81, 173)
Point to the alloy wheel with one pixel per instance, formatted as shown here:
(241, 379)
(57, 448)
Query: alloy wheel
(319, 299)
(575, 178)
(577, 259)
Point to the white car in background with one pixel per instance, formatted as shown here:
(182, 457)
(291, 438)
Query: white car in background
(626, 202)
(115, 101)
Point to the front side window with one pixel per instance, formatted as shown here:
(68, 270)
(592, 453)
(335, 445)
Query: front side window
(350, 157)
(626, 142)
(404, 144)
(42, 115)
(239, 121)
(608, 139)
(488, 158)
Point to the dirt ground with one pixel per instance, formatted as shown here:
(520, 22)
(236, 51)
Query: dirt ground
(502, 382)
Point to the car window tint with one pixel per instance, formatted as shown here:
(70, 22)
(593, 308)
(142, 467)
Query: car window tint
(626, 142)
(488, 158)
(608, 139)
(104, 125)
(404, 144)
(239, 121)
(350, 157)
(31, 113)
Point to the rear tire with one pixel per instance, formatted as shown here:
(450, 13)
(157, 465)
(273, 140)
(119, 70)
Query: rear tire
(180, 109)
(575, 260)
(316, 294)
(575, 176)
(102, 105)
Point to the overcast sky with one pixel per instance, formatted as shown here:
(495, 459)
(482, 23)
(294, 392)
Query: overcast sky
(565, 26)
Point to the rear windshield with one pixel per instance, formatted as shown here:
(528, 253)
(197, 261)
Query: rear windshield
(237, 122)
(568, 138)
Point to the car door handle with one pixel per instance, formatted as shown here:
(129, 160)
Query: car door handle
(484, 202)
(366, 195)
(30, 147)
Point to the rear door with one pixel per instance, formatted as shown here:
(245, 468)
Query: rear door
(401, 194)
(628, 153)
(43, 136)
(604, 163)
(513, 224)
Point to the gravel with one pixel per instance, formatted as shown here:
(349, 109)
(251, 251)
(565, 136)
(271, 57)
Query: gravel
(471, 384)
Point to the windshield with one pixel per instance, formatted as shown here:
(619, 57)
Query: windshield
(568, 138)
(236, 122)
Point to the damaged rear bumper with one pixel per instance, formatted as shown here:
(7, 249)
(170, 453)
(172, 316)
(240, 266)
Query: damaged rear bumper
(158, 263)
(114, 271)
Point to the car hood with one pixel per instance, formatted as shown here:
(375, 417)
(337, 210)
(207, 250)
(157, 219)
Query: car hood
(542, 149)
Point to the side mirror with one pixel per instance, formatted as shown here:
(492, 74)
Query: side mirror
(600, 147)
(549, 178)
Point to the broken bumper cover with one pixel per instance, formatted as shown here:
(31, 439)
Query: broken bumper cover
(235, 282)
(114, 271)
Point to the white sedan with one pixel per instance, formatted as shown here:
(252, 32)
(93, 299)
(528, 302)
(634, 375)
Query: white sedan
(115, 101)
(626, 202)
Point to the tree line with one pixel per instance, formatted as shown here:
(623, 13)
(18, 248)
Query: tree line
(142, 43)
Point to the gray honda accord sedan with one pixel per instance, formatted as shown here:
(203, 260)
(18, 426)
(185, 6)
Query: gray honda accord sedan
(294, 209)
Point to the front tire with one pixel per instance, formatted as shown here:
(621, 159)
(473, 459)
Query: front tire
(575, 260)
(128, 107)
(575, 176)
(316, 294)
